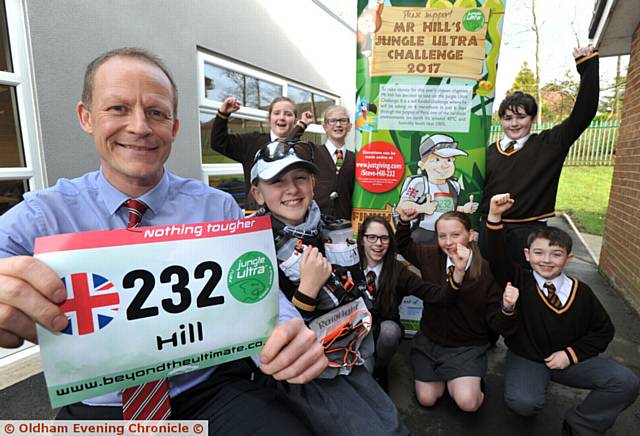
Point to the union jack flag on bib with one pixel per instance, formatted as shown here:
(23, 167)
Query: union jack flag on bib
(92, 303)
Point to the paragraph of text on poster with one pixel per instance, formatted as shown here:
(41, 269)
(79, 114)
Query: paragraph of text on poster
(420, 107)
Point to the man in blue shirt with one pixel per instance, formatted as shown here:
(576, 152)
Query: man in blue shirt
(129, 105)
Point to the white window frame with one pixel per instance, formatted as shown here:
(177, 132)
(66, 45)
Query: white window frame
(33, 171)
(211, 106)
(20, 78)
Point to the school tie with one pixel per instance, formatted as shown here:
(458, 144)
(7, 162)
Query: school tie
(450, 270)
(136, 210)
(510, 147)
(339, 160)
(371, 283)
(552, 297)
(149, 401)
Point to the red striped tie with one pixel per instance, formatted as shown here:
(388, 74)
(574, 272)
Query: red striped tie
(136, 210)
(150, 401)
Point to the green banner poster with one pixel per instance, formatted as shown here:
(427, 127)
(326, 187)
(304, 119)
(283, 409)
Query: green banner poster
(426, 74)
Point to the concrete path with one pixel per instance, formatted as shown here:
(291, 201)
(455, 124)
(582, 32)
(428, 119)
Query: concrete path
(27, 399)
(494, 418)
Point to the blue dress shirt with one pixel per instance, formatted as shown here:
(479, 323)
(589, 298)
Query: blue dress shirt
(91, 203)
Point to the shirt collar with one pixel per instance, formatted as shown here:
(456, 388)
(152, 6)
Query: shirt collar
(273, 136)
(331, 147)
(559, 282)
(376, 269)
(450, 262)
(504, 142)
(153, 198)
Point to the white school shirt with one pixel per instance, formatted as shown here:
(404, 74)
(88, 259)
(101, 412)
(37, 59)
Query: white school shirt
(504, 142)
(562, 283)
(331, 148)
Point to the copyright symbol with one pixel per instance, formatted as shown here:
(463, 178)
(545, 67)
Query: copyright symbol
(9, 428)
(198, 428)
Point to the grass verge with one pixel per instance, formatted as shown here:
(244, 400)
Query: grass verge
(583, 194)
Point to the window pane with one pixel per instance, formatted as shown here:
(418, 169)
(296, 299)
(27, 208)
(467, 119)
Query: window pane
(220, 83)
(302, 99)
(236, 125)
(11, 153)
(5, 51)
(11, 193)
(268, 91)
(233, 184)
(252, 95)
(320, 103)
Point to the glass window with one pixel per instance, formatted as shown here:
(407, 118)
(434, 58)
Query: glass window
(259, 93)
(267, 92)
(5, 51)
(302, 97)
(310, 101)
(320, 103)
(220, 83)
(233, 184)
(11, 153)
(11, 193)
(236, 125)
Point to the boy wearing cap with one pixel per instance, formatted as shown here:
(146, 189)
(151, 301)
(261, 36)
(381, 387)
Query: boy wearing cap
(434, 191)
(562, 329)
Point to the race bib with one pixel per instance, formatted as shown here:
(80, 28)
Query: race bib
(154, 302)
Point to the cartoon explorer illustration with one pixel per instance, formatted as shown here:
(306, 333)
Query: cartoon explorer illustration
(433, 190)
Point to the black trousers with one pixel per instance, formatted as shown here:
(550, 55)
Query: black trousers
(516, 235)
(231, 402)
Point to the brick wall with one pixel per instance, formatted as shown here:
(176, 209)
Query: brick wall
(620, 256)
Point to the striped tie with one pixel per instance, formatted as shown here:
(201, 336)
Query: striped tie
(552, 297)
(149, 401)
(136, 210)
(339, 160)
(510, 147)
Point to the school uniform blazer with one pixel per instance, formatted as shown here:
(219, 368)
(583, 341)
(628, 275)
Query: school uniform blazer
(242, 147)
(581, 328)
(459, 314)
(531, 174)
(327, 181)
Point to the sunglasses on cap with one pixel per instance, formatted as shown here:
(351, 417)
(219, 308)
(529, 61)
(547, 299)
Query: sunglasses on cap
(284, 148)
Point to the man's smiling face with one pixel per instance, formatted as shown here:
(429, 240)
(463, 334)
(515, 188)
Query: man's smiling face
(132, 121)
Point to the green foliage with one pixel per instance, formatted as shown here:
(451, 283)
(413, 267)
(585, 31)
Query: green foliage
(525, 81)
(583, 194)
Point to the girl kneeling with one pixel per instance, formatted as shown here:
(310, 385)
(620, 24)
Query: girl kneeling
(450, 350)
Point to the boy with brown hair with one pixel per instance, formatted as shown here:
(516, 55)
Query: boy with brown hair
(562, 327)
(528, 165)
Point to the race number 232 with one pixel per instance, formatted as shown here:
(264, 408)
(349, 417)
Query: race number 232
(178, 277)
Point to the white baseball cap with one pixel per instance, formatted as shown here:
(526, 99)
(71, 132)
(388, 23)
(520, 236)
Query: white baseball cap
(440, 145)
(280, 155)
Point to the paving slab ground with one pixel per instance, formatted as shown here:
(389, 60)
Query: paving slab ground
(28, 400)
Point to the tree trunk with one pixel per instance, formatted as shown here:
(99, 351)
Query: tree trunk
(536, 30)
